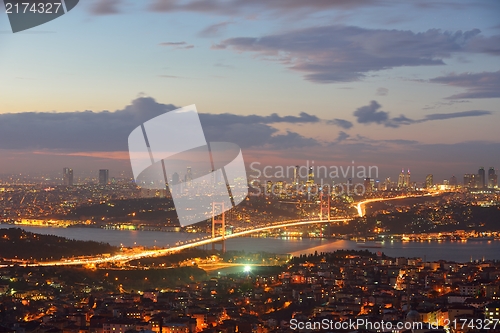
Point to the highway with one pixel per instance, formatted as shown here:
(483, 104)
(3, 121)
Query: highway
(360, 206)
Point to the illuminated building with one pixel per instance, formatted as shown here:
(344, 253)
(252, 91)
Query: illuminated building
(492, 178)
(295, 179)
(481, 174)
(103, 176)
(188, 178)
(388, 184)
(467, 180)
(310, 176)
(429, 181)
(278, 188)
(401, 179)
(404, 180)
(68, 177)
(269, 187)
(453, 181)
(474, 180)
(492, 311)
(368, 185)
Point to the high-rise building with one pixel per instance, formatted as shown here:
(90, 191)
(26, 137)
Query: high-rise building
(295, 179)
(453, 181)
(401, 179)
(481, 181)
(474, 180)
(387, 182)
(429, 181)
(278, 188)
(103, 176)
(269, 187)
(407, 179)
(492, 178)
(310, 176)
(368, 185)
(175, 178)
(467, 180)
(189, 174)
(68, 176)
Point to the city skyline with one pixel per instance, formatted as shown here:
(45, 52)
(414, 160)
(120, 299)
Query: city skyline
(431, 106)
(295, 177)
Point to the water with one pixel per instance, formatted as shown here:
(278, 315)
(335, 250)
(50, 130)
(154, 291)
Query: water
(453, 251)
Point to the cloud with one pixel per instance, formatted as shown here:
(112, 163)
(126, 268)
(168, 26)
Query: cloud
(444, 116)
(398, 121)
(371, 114)
(214, 30)
(368, 114)
(89, 131)
(382, 91)
(440, 104)
(177, 45)
(336, 53)
(171, 76)
(342, 136)
(105, 7)
(345, 124)
(222, 65)
(226, 119)
(231, 7)
(94, 140)
(478, 85)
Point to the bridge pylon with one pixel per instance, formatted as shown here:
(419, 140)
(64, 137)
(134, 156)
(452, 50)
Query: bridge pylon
(324, 206)
(219, 218)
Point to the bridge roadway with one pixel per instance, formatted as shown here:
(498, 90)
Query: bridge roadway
(161, 252)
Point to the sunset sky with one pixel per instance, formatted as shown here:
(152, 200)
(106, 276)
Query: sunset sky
(397, 84)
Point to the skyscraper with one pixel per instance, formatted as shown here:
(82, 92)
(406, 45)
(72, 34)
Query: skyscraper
(492, 178)
(310, 176)
(295, 179)
(388, 184)
(474, 183)
(68, 176)
(368, 185)
(429, 181)
(481, 178)
(401, 179)
(453, 181)
(467, 180)
(176, 179)
(103, 176)
(407, 179)
(189, 177)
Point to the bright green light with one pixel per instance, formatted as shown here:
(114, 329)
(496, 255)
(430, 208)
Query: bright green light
(247, 269)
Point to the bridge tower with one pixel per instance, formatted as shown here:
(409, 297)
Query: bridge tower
(324, 206)
(216, 220)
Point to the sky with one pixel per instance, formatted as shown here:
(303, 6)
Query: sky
(392, 84)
